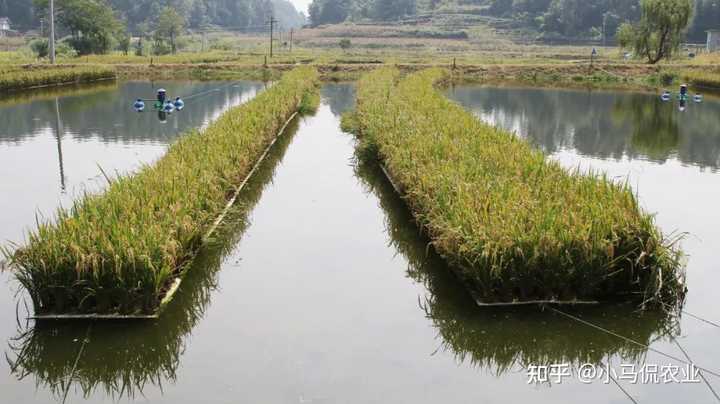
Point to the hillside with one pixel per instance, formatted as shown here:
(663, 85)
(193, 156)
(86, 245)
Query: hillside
(548, 20)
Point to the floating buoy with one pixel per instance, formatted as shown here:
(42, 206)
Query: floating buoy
(179, 104)
(139, 105)
(698, 98)
(168, 107)
(665, 96)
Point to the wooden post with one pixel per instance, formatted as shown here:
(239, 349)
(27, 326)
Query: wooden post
(272, 27)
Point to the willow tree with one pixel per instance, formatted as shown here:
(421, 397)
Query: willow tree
(661, 27)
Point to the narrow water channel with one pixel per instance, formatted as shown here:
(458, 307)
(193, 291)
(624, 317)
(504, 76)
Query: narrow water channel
(322, 290)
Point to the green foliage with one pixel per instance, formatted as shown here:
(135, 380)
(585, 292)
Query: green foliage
(142, 31)
(386, 10)
(514, 224)
(345, 44)
(118, 252)
(705, 17)
(91, 23)
(247, 15)
(335, 11)
(169, 27)
(39, 47)
(123, 39)
(657, 36)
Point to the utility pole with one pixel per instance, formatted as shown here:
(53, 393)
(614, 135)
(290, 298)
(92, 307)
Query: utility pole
(604, 27)
(272, 27)
(291, 34)
(51, 40)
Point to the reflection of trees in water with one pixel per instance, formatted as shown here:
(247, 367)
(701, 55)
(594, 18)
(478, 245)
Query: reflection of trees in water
(108, 115)
(339, 96)
(499, 339)
(122, 357)
(655, 132)
(602, 124)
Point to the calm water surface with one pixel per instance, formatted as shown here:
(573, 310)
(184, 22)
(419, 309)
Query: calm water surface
(323, 291)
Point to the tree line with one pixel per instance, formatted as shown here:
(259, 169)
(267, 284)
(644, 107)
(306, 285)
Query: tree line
(595, 19)
(244, 15)
(553, 19)
(335, 11)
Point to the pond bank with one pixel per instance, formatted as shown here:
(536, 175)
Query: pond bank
(29, 77)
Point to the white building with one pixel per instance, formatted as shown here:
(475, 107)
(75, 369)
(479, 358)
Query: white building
(4, 24)
(713, 40)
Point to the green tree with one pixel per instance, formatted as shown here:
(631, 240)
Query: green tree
(345, 44)
(169, 26)
(393, 9)
(91, 24)
(329, 11)
(658, 33)
(123, 38)
(142, 30)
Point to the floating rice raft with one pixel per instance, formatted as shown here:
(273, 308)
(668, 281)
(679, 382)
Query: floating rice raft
(122, 253)
(515, 226)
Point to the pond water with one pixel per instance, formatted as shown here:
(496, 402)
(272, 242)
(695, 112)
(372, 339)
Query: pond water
(324, 291)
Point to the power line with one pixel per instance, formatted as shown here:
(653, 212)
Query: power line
(712, 323)
(619, 385)
(712, 390)
(632, 341)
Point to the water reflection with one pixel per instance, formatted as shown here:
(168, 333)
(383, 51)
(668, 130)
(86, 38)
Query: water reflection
(340, 97)
(58, 137)
(502, 339)
(655, 132)
(109, 116)
(609, 125)
(121, 358)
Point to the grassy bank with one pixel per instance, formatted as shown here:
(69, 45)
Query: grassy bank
(16, 78)
(514, 224)
(120, 251)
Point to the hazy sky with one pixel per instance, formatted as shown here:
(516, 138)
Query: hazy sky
(301, 5)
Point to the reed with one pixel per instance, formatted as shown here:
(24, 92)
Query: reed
(513, 224)
(705, 78)
(17, 79)
(120, 251)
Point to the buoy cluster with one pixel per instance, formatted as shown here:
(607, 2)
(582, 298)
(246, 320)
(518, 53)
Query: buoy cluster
(683, 96)
(162, 104)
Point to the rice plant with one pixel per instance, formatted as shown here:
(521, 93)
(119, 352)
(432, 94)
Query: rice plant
(16, 78)
(513, 224)
(119, 252)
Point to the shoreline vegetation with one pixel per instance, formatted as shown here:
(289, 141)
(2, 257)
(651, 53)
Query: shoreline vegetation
(552, 75)
(119, 252)
(28, 77)
(513, 225)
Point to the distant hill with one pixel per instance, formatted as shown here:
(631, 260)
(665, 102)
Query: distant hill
(544, 19)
